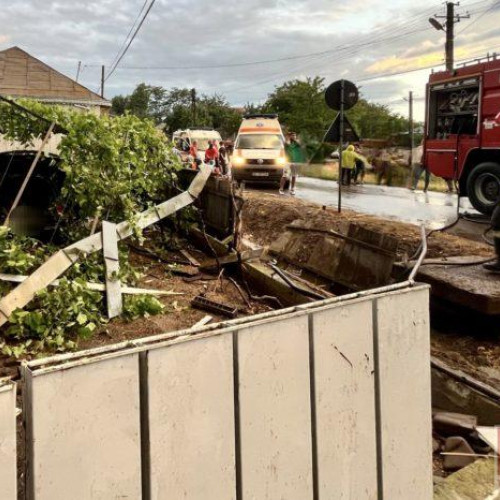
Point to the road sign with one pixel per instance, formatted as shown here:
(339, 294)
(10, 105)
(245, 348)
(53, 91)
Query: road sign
(333, 95)
(333, 134)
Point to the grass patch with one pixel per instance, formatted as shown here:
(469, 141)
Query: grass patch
(399, 176)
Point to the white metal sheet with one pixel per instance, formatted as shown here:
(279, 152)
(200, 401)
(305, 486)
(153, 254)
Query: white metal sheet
(191, 420)
(85, 432)
(275, 414)
(8, 442)
(405, 394)
(114, 299)
(345, 402)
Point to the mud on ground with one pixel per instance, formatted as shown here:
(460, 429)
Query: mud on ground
(463, 344)
(266, 215)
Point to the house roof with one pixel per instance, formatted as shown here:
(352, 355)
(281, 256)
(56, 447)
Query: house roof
(22, 75)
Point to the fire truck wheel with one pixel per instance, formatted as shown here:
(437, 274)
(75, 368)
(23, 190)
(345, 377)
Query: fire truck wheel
(483, 187)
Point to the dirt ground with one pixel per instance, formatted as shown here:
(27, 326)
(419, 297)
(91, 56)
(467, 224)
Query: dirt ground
(168, 274)
(178, 313)
(463, 343)
(266, 215)
(477, 355)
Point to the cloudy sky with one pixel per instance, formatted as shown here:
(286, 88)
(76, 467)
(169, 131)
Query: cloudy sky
(243, 50)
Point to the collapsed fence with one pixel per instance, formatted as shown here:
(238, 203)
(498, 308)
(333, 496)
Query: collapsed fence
(324, 400)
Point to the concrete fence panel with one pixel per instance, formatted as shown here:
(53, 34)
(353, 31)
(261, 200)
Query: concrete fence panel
(191, 420)
(403, 392)
(8, 466)
(84, 431)
(275, 411)
(345, 402)
(321, 402)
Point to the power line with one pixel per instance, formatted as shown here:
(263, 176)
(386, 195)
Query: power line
(129, 33)
(492, 6)
(370, 40)
(132, 38)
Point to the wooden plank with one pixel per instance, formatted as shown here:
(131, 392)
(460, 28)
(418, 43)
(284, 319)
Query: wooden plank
(275, 412)
(37, 281)
(114, 298)
(63, 259)
(98, 287)
(191, 420)
(189, 257)
(404, 385)
(345, 402)
(232, 258)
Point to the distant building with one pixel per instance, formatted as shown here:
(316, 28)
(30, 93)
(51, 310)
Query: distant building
(22, 75)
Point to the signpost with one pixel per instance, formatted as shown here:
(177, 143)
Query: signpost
(341, 95)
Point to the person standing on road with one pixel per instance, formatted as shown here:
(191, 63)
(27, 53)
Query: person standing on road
(294, 154)
(349, 157)
(359, 167)
(223, 159)
(419, 167)
(382, 164)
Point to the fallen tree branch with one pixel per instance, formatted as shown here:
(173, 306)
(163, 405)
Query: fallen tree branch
(65, 258)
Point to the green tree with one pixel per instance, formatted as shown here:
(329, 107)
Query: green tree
(146, 101)
(301, 107)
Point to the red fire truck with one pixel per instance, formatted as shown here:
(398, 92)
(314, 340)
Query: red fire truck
(462, 134)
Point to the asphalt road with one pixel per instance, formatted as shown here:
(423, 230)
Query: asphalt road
(434, 210)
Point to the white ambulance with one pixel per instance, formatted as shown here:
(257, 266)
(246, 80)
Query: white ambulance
(259, 150)
(183, 139)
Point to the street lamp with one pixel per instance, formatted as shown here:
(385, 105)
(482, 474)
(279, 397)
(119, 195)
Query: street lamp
(436, 24)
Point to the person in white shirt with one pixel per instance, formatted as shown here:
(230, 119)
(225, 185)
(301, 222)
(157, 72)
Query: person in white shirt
(419, 167)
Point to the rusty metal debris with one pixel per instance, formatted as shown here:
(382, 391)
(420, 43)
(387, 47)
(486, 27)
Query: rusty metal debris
(201, 302)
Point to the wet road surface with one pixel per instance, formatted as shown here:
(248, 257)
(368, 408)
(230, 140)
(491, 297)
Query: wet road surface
(434, 210)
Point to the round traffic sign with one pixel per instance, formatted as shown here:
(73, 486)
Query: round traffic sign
(333, 95)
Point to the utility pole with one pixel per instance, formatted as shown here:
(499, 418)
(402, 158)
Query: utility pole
(193, 106)
(449, 27)
(410, 117)
(341, 140)
(103, 73)
(78, 70)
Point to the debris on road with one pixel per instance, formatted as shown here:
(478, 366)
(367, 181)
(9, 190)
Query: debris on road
(201, 302)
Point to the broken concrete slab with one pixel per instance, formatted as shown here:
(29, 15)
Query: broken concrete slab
(474, 482)
(213, 245)
(458, 453)
(467, 285)
(265, 280)
(455, 391)
(359, 259)
(447, 423)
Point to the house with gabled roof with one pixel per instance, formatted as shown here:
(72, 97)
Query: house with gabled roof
(23, 75)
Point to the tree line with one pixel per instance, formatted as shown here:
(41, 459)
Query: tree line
(299, 103)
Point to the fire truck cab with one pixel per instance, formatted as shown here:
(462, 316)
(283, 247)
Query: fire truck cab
(462, 133)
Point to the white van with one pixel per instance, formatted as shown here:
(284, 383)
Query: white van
(184, 138)
(259, 150)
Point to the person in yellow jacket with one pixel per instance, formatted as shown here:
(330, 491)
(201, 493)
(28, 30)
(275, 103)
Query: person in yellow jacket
(349, 157)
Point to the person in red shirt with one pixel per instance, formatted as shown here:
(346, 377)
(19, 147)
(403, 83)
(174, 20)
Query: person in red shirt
(211, 154)
(193, 152)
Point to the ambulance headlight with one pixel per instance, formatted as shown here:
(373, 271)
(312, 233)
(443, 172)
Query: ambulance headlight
(238, 161)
